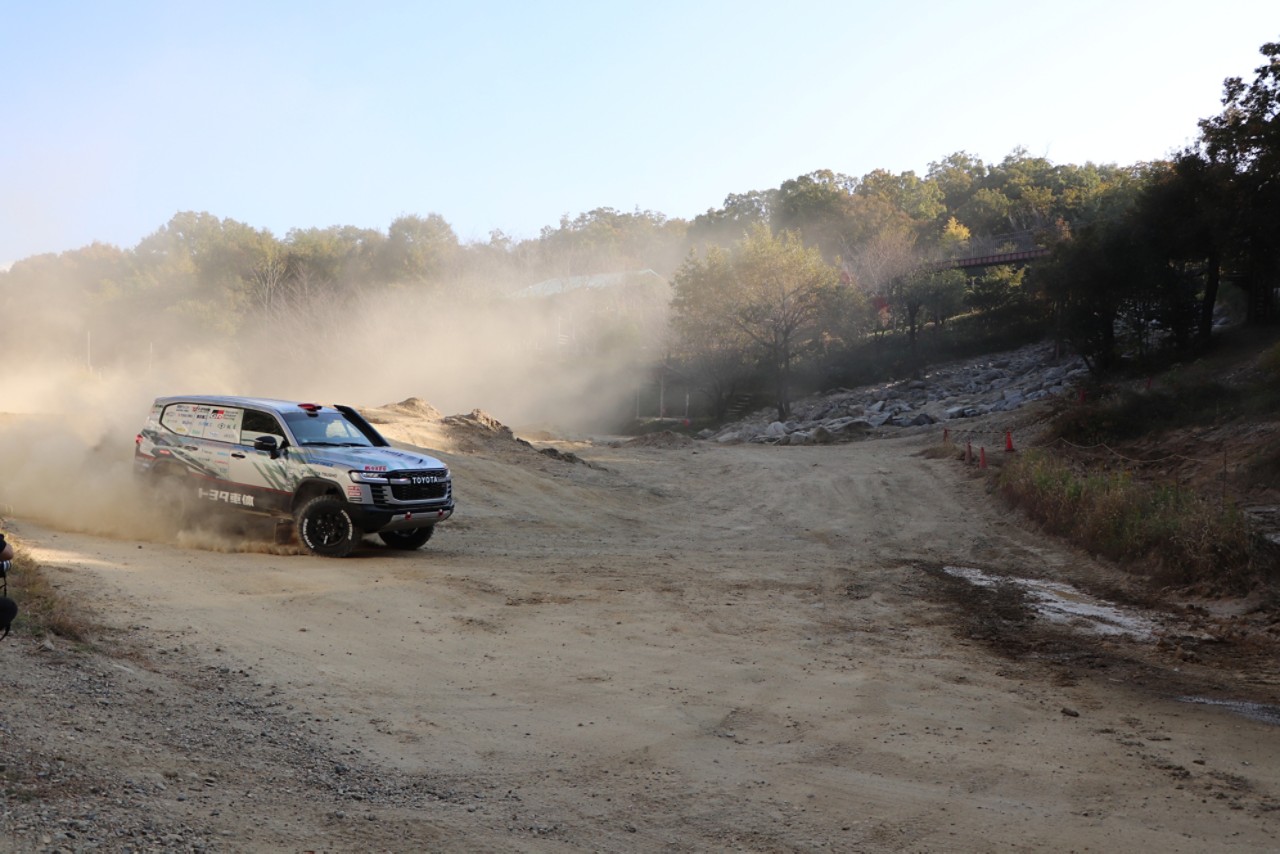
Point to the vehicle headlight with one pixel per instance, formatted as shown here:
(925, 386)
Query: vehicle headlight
(368, 476)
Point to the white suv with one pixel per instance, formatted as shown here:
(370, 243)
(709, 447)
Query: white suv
(323, 468)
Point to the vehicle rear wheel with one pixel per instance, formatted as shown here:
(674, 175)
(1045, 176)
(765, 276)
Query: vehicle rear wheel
(407, 540)
(326, 527)
(176, 495)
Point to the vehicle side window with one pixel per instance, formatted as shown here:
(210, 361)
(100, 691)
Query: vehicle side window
(202, 421)
(258, 424)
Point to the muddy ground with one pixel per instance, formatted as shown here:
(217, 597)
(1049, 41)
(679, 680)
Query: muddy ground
(641, 647)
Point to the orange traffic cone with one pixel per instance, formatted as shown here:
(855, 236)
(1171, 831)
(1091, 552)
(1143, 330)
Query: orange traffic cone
(1008, 440)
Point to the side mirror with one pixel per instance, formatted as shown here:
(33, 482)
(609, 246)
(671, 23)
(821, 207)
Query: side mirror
(268, 444)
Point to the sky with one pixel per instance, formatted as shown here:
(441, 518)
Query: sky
(117, 114)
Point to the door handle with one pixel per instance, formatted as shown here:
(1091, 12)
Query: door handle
(238, 456)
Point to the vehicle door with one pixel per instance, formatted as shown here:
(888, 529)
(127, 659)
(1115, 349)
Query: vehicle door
(261, 480)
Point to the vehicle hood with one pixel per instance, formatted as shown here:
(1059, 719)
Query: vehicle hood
(370, 459)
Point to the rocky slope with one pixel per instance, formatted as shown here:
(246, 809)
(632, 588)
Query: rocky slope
(1002, 383)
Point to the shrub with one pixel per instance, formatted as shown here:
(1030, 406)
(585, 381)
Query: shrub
(1172, 532)
(1117, 416)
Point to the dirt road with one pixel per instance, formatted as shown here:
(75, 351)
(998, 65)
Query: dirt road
(691, 647)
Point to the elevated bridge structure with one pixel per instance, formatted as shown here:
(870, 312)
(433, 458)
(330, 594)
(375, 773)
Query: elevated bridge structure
(1018, 247)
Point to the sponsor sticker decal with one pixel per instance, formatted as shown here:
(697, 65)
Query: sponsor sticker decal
(226, 497)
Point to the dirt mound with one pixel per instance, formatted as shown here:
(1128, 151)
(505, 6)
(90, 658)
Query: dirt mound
(568, 457)
(412, 421)
(414, 407)
(479, 421)
(661, 439)
(479, 433)
(417, 406)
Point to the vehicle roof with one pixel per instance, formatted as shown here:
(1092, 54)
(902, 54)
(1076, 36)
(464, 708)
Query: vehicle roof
(232, 400)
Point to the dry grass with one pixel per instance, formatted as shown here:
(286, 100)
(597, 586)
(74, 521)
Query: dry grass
(1162, 519)
(42, 609)
(1174, 533)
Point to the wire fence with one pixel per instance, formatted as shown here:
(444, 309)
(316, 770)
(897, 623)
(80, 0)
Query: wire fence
(1001, 431)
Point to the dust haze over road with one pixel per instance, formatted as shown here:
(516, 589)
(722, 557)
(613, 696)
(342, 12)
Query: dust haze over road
(682, 647)
(79, 380)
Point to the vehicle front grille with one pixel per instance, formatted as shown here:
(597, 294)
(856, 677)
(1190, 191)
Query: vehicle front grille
(420, 492)
(412, 487)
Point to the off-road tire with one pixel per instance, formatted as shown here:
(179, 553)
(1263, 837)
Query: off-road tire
(175, 494)
(326, 528)
(407, 540)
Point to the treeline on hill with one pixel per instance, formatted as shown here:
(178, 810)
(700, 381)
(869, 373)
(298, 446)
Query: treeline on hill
(825, 280)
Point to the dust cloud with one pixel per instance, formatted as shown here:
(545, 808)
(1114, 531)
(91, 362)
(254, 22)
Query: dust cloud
(76, 389)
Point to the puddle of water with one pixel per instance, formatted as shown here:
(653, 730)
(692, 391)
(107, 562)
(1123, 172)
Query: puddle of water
(1254, 711)
(1062, 603)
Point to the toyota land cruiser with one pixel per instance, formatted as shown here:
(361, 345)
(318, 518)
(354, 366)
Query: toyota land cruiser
(325, 469)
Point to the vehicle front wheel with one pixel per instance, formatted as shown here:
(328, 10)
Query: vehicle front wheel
(407, 540)
(326, 528)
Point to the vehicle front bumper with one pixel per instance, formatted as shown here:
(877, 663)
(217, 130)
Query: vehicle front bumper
(372, 520)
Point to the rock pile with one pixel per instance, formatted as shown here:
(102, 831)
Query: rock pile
(983, 386)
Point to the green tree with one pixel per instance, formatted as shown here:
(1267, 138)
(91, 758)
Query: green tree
(926, 291)
(604, 240)
(919, 199)
(726, 225)
(419, 249)
(55, 301)
(210, 268)
(987, 211)
(714, 349)
(334, 260)
(782, 288)
(1245, 137)
(768, 295)
(819, 207)
(1185, 216)
(958, 176)
(954, 241)
(1090, 281)
(995, 289)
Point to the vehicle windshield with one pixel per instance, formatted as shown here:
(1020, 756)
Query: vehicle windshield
(327, 427)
